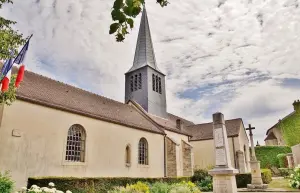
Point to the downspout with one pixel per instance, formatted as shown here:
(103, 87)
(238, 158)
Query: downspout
(234, 154)
(165, 165)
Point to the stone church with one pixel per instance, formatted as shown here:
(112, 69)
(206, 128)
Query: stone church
(54, 129)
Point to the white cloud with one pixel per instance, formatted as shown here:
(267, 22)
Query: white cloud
(234, 55)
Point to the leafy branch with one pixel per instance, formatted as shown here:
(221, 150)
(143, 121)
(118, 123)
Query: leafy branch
(122, 14)
(10, 39)
(9, 96)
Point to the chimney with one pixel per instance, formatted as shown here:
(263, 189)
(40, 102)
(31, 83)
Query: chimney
(296, 105)
(179, 124)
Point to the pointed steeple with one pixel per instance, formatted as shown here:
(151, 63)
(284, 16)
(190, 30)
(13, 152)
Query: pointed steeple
(144, 52)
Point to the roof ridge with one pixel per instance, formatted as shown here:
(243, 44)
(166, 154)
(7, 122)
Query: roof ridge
(78, 88)
(212, 122)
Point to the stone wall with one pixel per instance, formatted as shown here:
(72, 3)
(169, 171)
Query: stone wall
(296, 154)
(187, 159)
(171, 158)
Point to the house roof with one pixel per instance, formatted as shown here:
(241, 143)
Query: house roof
(270, 136)
(47, 92)
(205, 131)
(281, 120)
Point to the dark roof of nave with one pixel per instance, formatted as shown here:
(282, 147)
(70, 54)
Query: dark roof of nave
(169, 123)
(205, 131)
(48, 92)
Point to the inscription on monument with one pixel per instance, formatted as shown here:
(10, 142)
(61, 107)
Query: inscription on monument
(219, 140)
(221, 157)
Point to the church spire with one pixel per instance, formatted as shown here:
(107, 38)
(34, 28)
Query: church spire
(144, 52)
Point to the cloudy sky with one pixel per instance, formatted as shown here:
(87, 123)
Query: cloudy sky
(240, 57)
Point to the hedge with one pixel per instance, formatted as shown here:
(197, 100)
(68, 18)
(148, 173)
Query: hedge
(285, 172)
(267, 155)
(283, 162)
(243, 179)
(95, 185)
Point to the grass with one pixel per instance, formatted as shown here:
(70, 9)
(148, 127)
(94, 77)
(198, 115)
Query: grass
(281, 183)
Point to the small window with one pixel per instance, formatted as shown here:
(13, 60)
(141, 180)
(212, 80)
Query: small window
(131, 83)
(153, 82)
(128, 155)
(156, 83)
(159, 85)
(143, 152)
(140, 81)
(135, 81)
(75, 151)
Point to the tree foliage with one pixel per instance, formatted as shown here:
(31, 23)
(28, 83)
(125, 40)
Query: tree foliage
(9, 96)
(10, 39)
(123, 13)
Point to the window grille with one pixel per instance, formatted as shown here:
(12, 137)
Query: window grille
(159, 85)
(140, 81)
(75, 151)
(156, 83)
(143, 152)
(135, 81)
(131, 83)
(153, 82)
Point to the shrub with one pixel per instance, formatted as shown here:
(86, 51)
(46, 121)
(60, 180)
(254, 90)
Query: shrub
(266, 176)
(295, 178)
(203, 180)
(35, 188)
(243, 179)
(184, 187)
(284, 172)
(139, 187)
(83, 185)
(159, 187)
(199, 175)
(206, 185)
(267, 155)
(283, 163)
(6, 184)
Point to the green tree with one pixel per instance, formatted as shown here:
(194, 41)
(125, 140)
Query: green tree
(122, 14)
(10, 39)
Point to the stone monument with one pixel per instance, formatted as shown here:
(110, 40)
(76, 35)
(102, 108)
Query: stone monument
(256, 180)
(223, 173)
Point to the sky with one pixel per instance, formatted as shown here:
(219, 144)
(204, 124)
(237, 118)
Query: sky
(238, 57)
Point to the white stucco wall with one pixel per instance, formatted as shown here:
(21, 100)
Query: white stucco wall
(177, 138)
(40, 149)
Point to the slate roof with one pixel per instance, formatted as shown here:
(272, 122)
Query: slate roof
(170, 123)
(205, 131)
(144, 51)
(47, 92)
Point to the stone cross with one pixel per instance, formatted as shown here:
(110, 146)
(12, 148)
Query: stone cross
(253, 156)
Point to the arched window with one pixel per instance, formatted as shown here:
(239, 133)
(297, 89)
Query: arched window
(128, 155)
(75, 151)
(143, 152)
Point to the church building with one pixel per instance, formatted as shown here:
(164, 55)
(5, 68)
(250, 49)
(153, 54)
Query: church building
(54, 129)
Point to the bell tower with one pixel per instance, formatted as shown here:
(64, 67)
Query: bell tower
(144, 82)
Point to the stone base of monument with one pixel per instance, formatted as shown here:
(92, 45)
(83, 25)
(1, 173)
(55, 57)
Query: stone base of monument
(224, 180)
(257, 186)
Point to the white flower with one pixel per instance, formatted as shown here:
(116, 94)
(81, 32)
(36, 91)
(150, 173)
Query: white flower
(51, 184)
(68, 191)
(23, 188)
(34, 186)
(58, 191)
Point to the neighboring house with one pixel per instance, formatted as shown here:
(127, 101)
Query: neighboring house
(54, 129)
(203, 144)
(275, 135)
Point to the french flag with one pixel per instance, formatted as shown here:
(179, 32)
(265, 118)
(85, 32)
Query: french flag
(6, 69)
